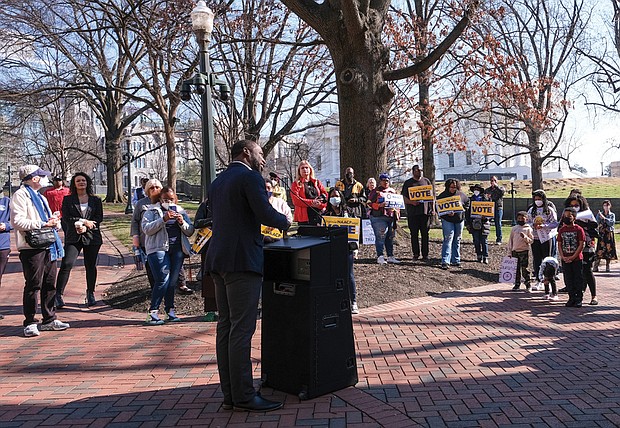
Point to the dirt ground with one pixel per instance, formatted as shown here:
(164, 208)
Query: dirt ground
(376, 284)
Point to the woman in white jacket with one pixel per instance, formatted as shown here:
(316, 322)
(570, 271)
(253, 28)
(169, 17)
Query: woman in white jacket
(166, 227)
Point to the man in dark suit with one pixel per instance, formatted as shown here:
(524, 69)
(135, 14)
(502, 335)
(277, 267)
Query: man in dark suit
(239, 205)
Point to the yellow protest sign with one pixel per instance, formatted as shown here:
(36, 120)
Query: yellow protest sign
(352, 225)
(421, 193)
(202, 237)
(449, 205)
(482, 209)
(272, 232)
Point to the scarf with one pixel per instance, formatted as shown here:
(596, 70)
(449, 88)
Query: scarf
(56, 249)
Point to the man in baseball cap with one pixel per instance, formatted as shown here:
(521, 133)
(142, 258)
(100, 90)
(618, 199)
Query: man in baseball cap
(26, 172)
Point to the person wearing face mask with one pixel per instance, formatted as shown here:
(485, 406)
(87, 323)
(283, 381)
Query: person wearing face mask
(30, 211)
(495, 193)
(521, 236)
(586, 220)
(82, 213)
(606, 246)
(167, 229)
(571, 239)
(336, 207)
(353, 193)
(452, 225)
(418, 214)
(543, 218)
(277, 202)
(479, 227)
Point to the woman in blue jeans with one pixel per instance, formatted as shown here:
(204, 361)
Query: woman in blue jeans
(452, 224)
(166, 227)
(383, 221)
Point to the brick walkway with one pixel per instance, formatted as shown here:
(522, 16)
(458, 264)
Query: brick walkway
(479, 357)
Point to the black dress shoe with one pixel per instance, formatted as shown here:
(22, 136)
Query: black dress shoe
(90, 298)
(227, 406)
(258, 404)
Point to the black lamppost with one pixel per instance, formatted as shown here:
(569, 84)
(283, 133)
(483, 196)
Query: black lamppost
(95, 180)
(8, 167)
(204, 83)
(129, 158)
(512, 194)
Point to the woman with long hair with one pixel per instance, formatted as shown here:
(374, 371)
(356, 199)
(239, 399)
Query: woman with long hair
(308, 194)
(606, 247)
(82, 213)
(543, 218)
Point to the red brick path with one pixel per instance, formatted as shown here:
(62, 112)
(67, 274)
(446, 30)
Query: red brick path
(481, 357)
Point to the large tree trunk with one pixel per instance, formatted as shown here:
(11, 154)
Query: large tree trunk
(363, 100)
(428, 128)
(171, 159)
(535, 158)
(114, 171)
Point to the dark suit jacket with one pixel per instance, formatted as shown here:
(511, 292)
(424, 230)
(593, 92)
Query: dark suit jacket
(239, 204)
(71, 213)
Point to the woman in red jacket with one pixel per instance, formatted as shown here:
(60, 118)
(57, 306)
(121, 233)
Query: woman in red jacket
(309, 196)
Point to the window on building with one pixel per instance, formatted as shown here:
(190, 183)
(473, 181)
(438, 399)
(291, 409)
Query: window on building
(468, 157)
(451, 160)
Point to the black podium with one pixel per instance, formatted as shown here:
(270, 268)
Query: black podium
(307, 334)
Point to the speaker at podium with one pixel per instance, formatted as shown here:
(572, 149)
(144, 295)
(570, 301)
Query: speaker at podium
(307, 345)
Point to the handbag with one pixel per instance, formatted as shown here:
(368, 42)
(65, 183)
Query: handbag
(40, 238)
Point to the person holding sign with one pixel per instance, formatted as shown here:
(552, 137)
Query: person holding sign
(478, 224)
(309, 196)
(418, 195)
(337, 207)
(495, 193)
(451, 206)
(383, 220)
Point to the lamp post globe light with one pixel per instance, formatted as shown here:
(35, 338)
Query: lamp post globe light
(203, 83)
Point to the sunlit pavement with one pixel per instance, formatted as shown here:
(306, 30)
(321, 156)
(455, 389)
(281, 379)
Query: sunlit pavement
(480, 357)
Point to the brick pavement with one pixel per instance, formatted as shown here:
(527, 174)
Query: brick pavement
(479, 357)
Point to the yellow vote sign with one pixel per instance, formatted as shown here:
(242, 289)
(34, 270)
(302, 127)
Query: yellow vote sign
(202, 237)
(482, 209)
(421, 193)
(272, 232)
(449, 205)
(352, 225)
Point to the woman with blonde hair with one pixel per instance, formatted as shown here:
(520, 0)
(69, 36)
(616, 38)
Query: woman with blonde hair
(308, 194)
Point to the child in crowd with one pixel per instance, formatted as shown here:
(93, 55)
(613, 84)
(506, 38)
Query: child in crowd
(571, 239)
(546, 275)
(521, 236)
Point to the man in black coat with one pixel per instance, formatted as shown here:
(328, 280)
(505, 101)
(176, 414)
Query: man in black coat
(239, 204)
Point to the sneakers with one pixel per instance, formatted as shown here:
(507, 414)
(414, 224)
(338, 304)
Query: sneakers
(553, 297)
(444, 266)
(381, 260)
(528, 289)
(485, 260)
(60, 303)
(31, 331)
(354, 309)
(185, 290)
(55, 325)
(480, 259)
(210, 317)
(594, 302)
(392, 259)
(153, 319)
(545, 297)
(516, 287)
(172, 317)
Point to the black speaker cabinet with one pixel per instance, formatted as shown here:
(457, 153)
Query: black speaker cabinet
(307, 333)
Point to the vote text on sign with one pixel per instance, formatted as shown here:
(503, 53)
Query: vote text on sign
(449, 205)
(352, 225)
(421, 193)
(482, 209)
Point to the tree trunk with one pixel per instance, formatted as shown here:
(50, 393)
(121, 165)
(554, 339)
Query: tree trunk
(536, 160)
(428, 128)
(171, 159)
(114, 171)
(363, 100)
